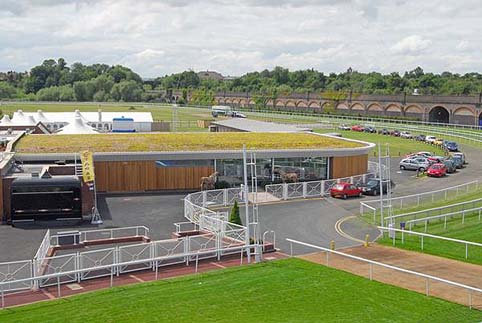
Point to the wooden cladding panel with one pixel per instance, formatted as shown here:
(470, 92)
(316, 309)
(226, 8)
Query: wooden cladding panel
(137, 176)
(349, 166)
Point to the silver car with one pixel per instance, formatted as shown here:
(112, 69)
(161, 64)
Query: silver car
(418, 163)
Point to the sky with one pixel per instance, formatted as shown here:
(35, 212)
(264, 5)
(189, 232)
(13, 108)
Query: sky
(156, 38)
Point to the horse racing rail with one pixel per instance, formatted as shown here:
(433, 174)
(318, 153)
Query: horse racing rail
(402, 233)
(415, 200)
(450, 210)
(372, 264)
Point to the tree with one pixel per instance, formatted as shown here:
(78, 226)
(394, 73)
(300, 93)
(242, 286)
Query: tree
(7, 91)
(234, 216)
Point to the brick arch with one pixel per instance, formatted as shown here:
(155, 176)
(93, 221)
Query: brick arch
(464, 115)
(270, 103)
(243, 102)
(301, 104)
(393, 110)
(228, 101)
(314, 104)
(290, 105)
(279, 104)
(374, 107)
(251, 103)
(357, 107)
(220, 101)
(439, 114)
(342, 106)
(414, 111)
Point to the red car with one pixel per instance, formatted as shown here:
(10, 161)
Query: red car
(345, 190)
(358, 128)
(437, 170)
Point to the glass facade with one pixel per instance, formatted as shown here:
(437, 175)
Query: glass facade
(275, 170)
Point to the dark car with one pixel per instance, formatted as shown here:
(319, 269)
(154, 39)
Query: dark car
(372, 187)
(395, 133)
(451, 146)
(384, 131)
(370, 129)
(450, 164)
(459, 163)
(420, 137)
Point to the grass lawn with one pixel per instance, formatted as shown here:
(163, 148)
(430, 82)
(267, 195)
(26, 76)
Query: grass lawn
(177, 142)
(470, 230)
(398, 146)
(290, 290)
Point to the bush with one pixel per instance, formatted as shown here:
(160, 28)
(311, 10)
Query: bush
(234, 215)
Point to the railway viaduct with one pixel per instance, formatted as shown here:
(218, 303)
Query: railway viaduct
(432, 108)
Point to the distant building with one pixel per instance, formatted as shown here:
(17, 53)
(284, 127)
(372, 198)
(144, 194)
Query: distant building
(210, 75)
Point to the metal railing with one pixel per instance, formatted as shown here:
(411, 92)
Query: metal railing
(462, 213)
(415, 200)
(106, 234)
(472, 204)
(393, 237)
(372, 263)
(113, 266)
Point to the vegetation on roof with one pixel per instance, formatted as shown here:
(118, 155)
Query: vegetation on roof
(176, 142)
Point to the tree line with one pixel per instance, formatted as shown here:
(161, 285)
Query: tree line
(54, 80)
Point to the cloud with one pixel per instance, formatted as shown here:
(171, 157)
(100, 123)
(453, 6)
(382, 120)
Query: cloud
(238, 36)
(414, 44)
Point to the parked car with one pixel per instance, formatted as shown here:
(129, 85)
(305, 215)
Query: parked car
(420, 137)
(406, 135)
(451, 146)
(450, 165)
(424, 154)
(395, 133)
(435, 159)
(344, 127)
(438, 142)
(419, 163)
(372, 187)
(459, 163)
(437, 170)
(345, 190)
(430, 139)
(370, 129)
(357, 128)
(461, 155)
(384, 131)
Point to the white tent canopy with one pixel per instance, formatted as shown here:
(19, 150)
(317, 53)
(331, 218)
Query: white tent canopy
(21, 119)
(6, 120)
(77, 127)
(41, 117)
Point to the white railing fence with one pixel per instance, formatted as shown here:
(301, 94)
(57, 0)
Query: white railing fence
(416, 200)
(462, 214)
(441, 210)
(372, 265)
(401, 236)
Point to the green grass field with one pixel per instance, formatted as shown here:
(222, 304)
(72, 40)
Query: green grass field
(398, 146)
(470, 230)
(289, 290)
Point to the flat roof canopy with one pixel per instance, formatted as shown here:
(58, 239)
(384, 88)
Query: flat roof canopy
(250, 125)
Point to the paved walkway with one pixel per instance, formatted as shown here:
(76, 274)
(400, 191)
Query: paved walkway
(456, 271)
(53, 292)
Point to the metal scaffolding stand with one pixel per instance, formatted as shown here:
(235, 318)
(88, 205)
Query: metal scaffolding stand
(252, 221)
(385, 182)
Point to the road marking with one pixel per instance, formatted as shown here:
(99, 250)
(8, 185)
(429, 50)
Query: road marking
(140, 280)
(339, 230)
(218, 265)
